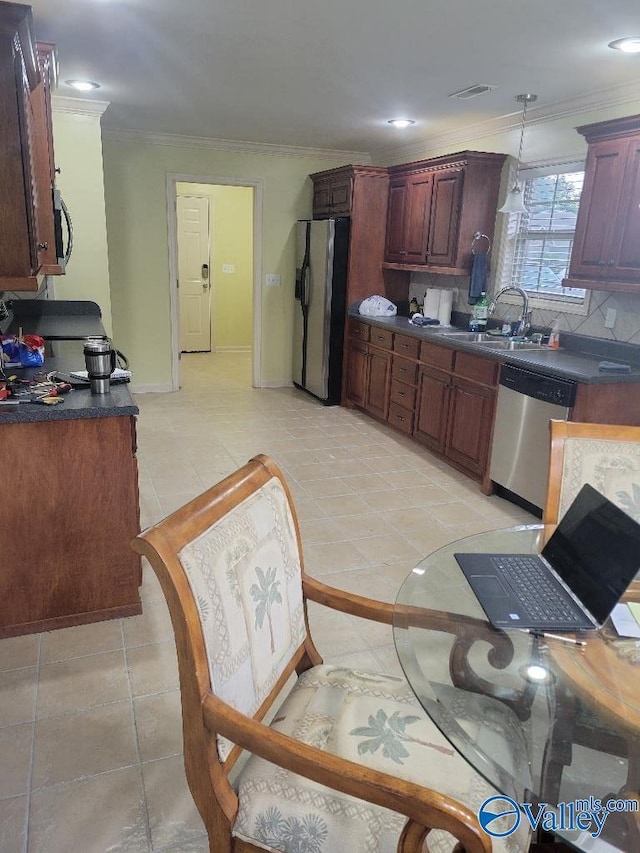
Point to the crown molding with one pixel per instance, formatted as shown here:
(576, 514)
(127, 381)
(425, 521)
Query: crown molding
(78, 106)
(211, 143)
(457, 139)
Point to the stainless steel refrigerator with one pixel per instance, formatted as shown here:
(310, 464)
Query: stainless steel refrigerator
(322, 249)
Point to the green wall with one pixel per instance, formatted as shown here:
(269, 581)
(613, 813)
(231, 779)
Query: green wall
(78, 149)
(136, 207)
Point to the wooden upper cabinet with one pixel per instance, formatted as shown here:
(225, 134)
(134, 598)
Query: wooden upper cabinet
(27, 236)
(359, 192)
(408, 218)
(435, 208)
(606, 247)
(445, 216)
(332, 197)
(44, 162)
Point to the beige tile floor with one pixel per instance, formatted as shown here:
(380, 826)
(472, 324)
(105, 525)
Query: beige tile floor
(90, 741)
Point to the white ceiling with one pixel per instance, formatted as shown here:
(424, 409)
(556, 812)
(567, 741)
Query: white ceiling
(329, 73)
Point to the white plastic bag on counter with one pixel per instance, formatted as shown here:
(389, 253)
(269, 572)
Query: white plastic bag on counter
(377, 306)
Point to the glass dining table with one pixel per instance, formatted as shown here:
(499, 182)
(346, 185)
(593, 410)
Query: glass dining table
(552, 722)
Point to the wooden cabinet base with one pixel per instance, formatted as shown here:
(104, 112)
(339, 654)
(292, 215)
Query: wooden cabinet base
(70, 621)
(69, 512)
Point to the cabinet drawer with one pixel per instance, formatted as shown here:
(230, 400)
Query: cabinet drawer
(478, 369)
(404, 370)
(403, 395)
(359, 331)
(406, 346)
(381, 338)
(441, 357)
(400, 418)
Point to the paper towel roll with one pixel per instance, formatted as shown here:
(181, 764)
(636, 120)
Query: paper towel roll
(431, 303)
(444, 311)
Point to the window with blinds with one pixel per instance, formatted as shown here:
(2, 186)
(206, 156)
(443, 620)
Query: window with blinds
(540, 240)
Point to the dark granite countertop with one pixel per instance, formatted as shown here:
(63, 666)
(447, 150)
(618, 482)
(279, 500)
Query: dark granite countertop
(79, 402)
(578, 358)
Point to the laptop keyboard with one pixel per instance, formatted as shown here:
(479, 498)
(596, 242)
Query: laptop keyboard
(536, 591)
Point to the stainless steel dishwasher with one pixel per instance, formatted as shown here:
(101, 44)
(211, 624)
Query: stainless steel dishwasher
(520, 450)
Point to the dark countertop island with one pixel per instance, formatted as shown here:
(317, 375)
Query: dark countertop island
(73, 507)
(68, 356)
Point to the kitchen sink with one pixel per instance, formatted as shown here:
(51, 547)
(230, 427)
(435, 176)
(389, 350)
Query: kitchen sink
(511, 345)
(477, 337)
(492, 341)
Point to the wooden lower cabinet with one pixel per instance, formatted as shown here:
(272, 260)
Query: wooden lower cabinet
(378, 383)
(67, 524)
(442, 398)
(470, 422)
(368, 379)
(445, 398)
(357, 373)
(432, 408)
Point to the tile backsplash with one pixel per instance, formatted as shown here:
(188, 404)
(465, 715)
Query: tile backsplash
(626, 306)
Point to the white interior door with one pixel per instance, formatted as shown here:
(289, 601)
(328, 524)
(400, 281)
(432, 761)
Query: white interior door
(194, 274)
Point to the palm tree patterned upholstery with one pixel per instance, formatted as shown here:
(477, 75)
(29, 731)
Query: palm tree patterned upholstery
(245, 576)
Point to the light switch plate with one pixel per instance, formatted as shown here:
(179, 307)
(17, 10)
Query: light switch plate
(272, 280)
(228, 268)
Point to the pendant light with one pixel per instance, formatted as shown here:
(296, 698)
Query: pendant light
(514, 202)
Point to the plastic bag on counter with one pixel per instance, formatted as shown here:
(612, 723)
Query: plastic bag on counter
(9, 353)
(27, 350)
(377, 306)
(31, 349)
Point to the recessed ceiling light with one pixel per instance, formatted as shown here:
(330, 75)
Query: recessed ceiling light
(631, 44)
(401, 122)
(82, 85)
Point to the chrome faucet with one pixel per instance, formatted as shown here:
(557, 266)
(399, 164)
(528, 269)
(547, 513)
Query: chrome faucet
(524, 321)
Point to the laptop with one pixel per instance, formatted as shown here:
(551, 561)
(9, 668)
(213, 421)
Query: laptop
(574, 584)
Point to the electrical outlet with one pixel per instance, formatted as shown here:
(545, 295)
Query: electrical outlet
(610, 318)
(272, 280)
(229, 268)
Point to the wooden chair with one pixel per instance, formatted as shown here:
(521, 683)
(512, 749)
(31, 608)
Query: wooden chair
(349, 761)
(605, 455)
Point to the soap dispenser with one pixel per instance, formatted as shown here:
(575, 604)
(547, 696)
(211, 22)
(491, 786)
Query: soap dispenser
(554, 335)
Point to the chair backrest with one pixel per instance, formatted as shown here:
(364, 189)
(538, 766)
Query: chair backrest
(606, 456)
(230, 565)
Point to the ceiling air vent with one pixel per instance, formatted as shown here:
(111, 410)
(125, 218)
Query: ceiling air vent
(472, 91)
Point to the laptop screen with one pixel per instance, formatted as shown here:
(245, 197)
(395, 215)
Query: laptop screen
(596, 551)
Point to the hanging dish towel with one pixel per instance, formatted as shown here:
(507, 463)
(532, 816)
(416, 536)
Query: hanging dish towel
(478, 282)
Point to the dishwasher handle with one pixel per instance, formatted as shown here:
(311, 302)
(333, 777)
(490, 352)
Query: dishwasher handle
(551, 389)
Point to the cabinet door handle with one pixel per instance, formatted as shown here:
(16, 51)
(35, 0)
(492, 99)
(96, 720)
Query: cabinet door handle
(402, 252)
(401, 394)
(44, 246)
(611, 263)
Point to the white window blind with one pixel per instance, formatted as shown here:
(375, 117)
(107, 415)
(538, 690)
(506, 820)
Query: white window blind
(538, 242)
